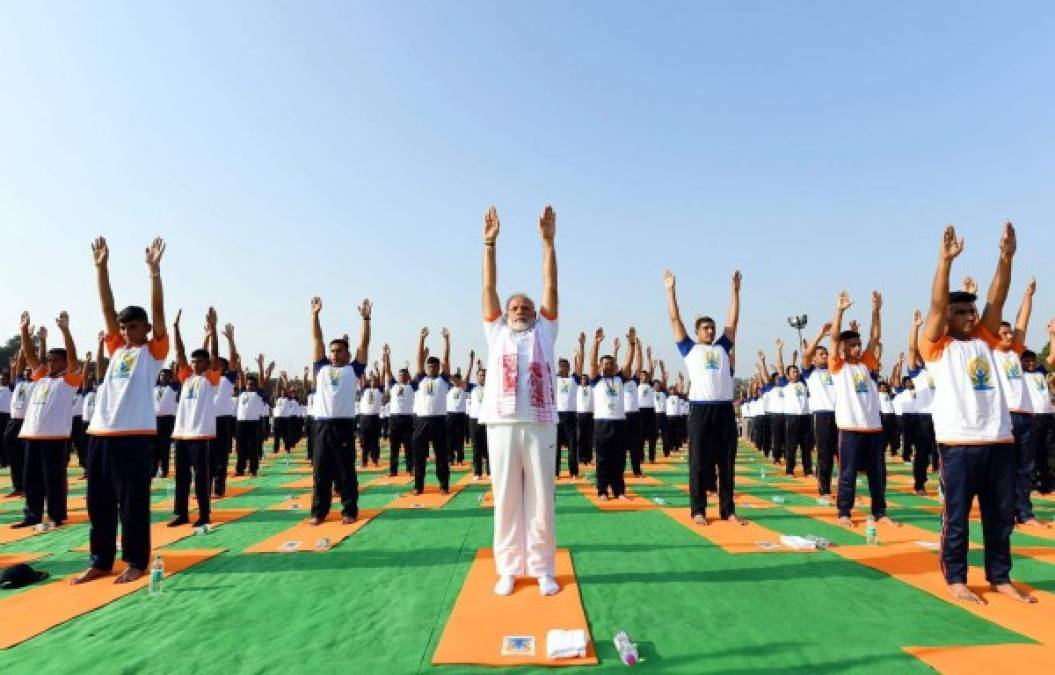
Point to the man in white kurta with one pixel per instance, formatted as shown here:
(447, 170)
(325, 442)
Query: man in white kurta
(519, 410)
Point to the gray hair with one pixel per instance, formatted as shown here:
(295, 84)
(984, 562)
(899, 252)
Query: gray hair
(518, 295)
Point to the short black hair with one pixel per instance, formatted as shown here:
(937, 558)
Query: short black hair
(956, 297)
(164, 371)
(702, 320)
(252, 376)
(1028, 354)
(199, 354)
(563, 361)
(224, 363)
(404, 370)
(432, 361)
(339, 341)
(849, 335)
(57, 351)
(1005, 324)
(132, 313)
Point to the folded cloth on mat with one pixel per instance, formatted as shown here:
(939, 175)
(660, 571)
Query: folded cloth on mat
(565, 644)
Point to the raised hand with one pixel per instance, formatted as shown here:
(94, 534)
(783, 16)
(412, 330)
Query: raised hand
(101, 337)
(100, 252)
(616, 344)
(877, 300)
(843, 302)
(1008, 241)
(631, 336)
(25, 320)
(736, 280)
(950, 245)
(1031, 288)
(855, 327)
(424, 332)
(210, 317)
(63, 322)
(598, 336)
(491, 225)
(42, 333)
(547, 224)
(270, 366)
(228, 331)
(917, 318)
(366, 308)
(472, 355)
(970, 285)
(385, 351)
(1051, 328)
(826, 328)
(154, 253)
(668, 279)
(780, 343)
(445, 334)
(260, 360)
(648, 352)
(582, 338)
(316, 305)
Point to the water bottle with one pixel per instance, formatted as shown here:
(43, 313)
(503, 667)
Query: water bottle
(170, 489)
(824, 501)
(762, 473)
(287, 461)
(777, 499)
(157, 573)
(293, 505)
(660, 501)
(627, 650)
(871, 536)
(941, 494)
(43, 526)
(322, 544)
(202, 529)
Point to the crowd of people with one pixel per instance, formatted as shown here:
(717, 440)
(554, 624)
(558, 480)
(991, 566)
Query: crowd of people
(966, 399)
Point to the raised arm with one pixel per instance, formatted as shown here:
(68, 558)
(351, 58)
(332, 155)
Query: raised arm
(547, 226)
(233, 360)
(811, 347)
(875, 330)
(733, 318)
(598, 338)
(73, 365)
(101, 256)
(937, 316)
(181, 351)
(1050, 360)
(781, 369)
(842, 303)
(445, 364)
(422, 351)
(651, 369)
(1024, 311)
(998, 287)
(662, 372)
(469, 370)
(157, 295)
(27, 343)
(318, 349)
(895, 372)
(914, 361)
(99, 370)
(672, 307)
(492, 306)
(580, 356)
(362, 352)
(213, 339)
(386, 365)
(631, 348)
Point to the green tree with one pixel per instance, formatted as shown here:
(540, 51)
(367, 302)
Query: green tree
(8, 350)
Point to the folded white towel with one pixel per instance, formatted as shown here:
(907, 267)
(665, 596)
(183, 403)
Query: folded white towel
(566, 644)
(797, 543)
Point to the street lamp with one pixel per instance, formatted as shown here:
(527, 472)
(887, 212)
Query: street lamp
(798, 323)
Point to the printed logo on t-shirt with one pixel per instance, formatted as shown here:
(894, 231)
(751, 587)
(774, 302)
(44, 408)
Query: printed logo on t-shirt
(1012, 369)
(860, 382)
(40, 392)
(20, 396)
(192, 389)
(335, 376)
(564, 388)
(124, 363)
(826, 377)
(930, 381)
(800, 391)
(1039, 383)
(710, 359)
(979, 374)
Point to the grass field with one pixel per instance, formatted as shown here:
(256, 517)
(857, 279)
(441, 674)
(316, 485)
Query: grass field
(379, 600)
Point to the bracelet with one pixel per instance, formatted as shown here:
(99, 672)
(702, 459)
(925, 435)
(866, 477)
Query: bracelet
(366, 318)
(489, 243)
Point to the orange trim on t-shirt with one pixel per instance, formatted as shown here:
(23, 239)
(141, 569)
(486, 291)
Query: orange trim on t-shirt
(835, 363)
(982, 333)
(73, 379)
(213, 376)
(24, 437)
(494, 318)
(182, 373)
(543, 312)
(39, 373)
(114, 342)
(124, 432)
(159, 348)
(868, 360)
(931, 351)
(1000, 441)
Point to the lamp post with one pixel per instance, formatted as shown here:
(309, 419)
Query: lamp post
(798, 323)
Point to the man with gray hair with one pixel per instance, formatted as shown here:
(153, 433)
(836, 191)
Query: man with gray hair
(521, 416)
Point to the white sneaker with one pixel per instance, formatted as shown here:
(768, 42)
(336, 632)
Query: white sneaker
(547, 585)
(505, 584)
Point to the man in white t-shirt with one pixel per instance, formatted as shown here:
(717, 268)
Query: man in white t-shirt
(971, 421)
(431, 384)
(567, 426)
(195, 426)
(584, 408)
(14, 447)
(609, 415)
(822, 404)
(124, 424)
(712, 420)
(456, 420)
(477, 429)
(400, 414)
(224, 407)
(47, 426)
(370, 420)
(521, 416)
(336, 388)
(1036, 376)
(166, 398)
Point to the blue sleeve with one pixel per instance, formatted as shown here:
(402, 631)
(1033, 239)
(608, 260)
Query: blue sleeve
(807, 372)
(782, 381)
(415, 381)
(725, 343)
(446, 379)
(686, 345)
(391, 381)
(578, 380)
(1041, 369)
(914, 372)
(595, 380)
(766, 387)
(232, 376)
(358, 368)
(320, 363)
(469, 386)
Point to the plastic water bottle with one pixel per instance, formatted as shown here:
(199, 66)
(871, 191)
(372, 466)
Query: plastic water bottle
(777, 499)
(871, 535)
(660, 501)
(762, 473)
(322, 544)
(170, 489)
(287, 461)
(43, 526)
(157, 573)
(627, 650)
(293, 505)
(941, 494)
(202, 529)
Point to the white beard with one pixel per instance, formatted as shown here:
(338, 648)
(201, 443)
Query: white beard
(519, 326)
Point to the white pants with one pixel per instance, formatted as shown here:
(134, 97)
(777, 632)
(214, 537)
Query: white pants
(522, 456)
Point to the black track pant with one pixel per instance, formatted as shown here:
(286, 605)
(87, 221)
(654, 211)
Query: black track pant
(400, 432)
(797, 438)
(192, 456)
(247, 436)
(585, 424)
(431, 431)
(478, 438)
(370, 438)
(163, 444)
(926, 453)
(456, 437)
(220, 453)
(15, 453)
(334, 465)
(635, 447)
(119, 472)
(609, 440)
(649, 431)
(861, 450)
(712, 441)
(44, 478)
(827, 436)
(568, 436)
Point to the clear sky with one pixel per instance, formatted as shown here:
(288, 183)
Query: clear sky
(350, 150)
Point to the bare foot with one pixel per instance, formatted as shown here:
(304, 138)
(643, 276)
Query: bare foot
(314, 521)
(736, 520)
(129, 575)
(603, 498)
(845, 521)
(624, 498)
(1033, 522)
(89, 574)
(887, 521)
(964, 594)
(444, 491)
(347, 520)
(699, 519)
(1009, 590)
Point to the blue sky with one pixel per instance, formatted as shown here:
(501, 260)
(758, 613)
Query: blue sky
(350, 150)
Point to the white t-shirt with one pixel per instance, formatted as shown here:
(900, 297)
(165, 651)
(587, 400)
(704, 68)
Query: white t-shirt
(822, 390)
(923, 383)
(400, 398)
(796, 398)
(336, 389)
(49, 415)
(608, 398)
(584, 399)
(886, 404)
(661, 403)
(281, 407)
(225, 398)
(20, 398)
(166, 397)
(497, 333)
(456, 400)
(476, 400)
(88, 405)
(196, 412)
(370, 401)
(1039, 393)
(646, 395)
(566, 390)
(672, 405)
(710, 372)
(5, 399)
(124, 400)
(430, 395)
(856, 394)
(250, 407)
(1009, 369)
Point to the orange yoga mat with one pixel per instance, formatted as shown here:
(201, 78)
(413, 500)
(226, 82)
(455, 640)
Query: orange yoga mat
(303, 536)
(7, 535)
(888, 534)
(467, 481)
(732, 538)
(1044, 553)
(403, 479)
(32, 612)
(636, 503)
(1038, 532)
(231, 492)
(987, 659)
(431, 499)
(480, 619)
(163, 535)
(8, 559)
(917, 567)
(299, 484)
(641, 480)
(488, 502)
(568, 480)
(658, 467)
(741, 499)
